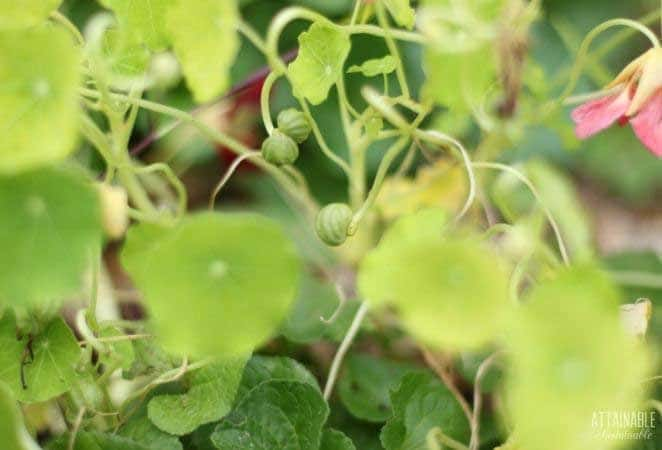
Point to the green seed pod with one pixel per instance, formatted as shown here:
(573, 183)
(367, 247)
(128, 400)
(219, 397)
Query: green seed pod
(295, 124)
(280, 149)
(332, 222)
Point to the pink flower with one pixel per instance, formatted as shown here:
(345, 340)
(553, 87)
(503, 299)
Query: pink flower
(635, 97)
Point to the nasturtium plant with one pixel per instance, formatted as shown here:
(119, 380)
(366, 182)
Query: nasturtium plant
(25, 13)
(205, 62)
(574, 358)
(40, 368)
(53, 210)
(443, 286)
(240, 269)
(40, 74)
(328, 225)
(323, 50)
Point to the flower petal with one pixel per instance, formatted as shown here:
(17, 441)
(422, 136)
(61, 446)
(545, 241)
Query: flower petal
(647, 124)
(596, 115)
(650, 81)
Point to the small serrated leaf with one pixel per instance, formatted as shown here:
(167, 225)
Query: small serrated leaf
(374, 67)
(276, 415)
(211, 392)
(323, 50)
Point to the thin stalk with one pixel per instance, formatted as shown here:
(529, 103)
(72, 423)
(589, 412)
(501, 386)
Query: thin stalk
(393, 49)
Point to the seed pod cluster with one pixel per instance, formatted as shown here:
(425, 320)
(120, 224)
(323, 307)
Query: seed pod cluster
(295, 124)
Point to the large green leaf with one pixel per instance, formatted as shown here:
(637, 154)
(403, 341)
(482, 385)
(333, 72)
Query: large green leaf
(25, 13)
(206, 43)
(146, 19)
(215, 284)
(51, 223)
(323, 50)
(268, 368)
(570, 353)
(141, 430)
(39, 75)
(276, 415)
(211, 392)
(11, 426)
(450, 291)
(420, 404)
(49, 371)
(366, 383)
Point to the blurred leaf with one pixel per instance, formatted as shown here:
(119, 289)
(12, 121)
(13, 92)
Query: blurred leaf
(148, 359)
(216, 284)
(422, 403)
(205, 62)
(336, 440)
(317, 300)
(11, 426)
(146, 19)
(120, 353)
(52, 370)
(25, 13)
(402, 12)
(51, 225)
(433, 279)
(275, 415)
(365, 385)
(374, 67)
(211, 392)
(323, 50)
(124, 54)
(571, 354)
(39, 72)
(141, 430)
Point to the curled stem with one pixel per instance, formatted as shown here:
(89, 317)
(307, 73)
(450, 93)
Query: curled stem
(474, 443)
(265, 94)
(226, 177)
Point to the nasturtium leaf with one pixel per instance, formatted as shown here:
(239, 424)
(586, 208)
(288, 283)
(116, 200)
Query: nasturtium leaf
(450, 291)
(205, 40)
(374, 67)
(323, 50)
(51, 222)
(39, 75)
(25, 13)
(125, 57)
(458, 81)
(570, 353)
(336, 440)
(212, 390)
(146, 19)
(366, 383)
(93, 440)
(268, 368)
(276, 415)
(11, 425)
(50, 372)
(402, 12)
(215, 284)
(420, 404)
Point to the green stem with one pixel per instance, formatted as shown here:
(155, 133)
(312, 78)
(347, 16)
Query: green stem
(355, 13)
(264, 101)
(393, 49)
(63, 20)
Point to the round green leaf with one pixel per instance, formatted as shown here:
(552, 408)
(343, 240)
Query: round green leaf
(25, 13)
(323, 50)
(205, 62)
(336, 440)
(216, 284)
(451, 292)
(51, 223)
(39, 75)
(571, 354)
